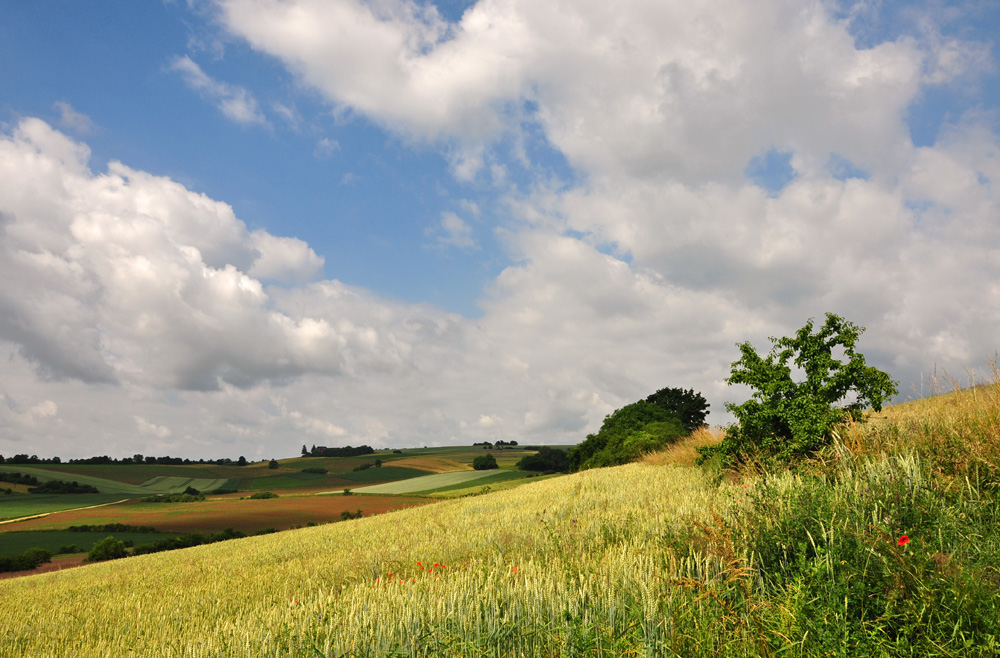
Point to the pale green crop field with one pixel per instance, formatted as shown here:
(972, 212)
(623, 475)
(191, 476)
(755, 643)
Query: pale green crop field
(166, 485)
(515, 570)
(425, 482)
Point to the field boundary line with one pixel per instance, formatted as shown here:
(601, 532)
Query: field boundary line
(72, 509)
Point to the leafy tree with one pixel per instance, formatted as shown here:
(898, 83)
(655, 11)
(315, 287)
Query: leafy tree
(273, 464)
(108, 548)
(626, 435)
(26, 561)
(785, 418)
(242, 461)
(305, 450)
(690, 407)
(484, 463)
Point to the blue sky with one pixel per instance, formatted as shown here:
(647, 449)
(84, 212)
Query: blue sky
(363, 204)
(397, 222)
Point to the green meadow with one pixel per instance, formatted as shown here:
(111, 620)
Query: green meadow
(18, 506)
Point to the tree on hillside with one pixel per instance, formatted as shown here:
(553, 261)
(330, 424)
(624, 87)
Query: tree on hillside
(272, 464)
(107, 549)
(547, 459)
(626, 435)
(484, 463)
(305, 450)
(785, 418)
(690, 407)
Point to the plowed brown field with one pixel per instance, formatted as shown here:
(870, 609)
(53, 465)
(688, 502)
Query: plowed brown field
(214, 515)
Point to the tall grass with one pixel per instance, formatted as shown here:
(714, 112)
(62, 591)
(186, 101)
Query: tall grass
(957, 432)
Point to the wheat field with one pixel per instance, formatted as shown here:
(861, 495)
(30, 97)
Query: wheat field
(520, 570)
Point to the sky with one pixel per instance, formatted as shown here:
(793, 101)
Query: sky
(237, 227)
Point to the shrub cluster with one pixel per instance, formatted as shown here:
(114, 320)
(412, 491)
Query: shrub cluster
(18, 478)
(108, 548)
(173, 498)
(26, 561)
(546, 460)
(484, 463)
(62, 487)
(626, 435)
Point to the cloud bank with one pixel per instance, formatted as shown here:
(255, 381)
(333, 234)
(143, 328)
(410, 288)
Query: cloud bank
(128, 293)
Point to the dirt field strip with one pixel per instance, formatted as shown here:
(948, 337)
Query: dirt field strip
(74, 509)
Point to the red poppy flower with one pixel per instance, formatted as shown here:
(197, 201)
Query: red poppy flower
(903, 541)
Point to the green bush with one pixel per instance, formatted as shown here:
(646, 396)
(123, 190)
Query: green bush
(545, 460)
(173, 498)
(315, 470)
(785, 419)
(263, 495)
(26, 561)
(484, 463)
(626, 435)
(107, 549)
(62, 487)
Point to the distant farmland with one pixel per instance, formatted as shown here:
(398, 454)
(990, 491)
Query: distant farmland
(155, 485)
(213, 515)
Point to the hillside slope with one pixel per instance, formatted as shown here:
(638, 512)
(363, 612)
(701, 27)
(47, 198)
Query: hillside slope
(583, 546)
(887, 544)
